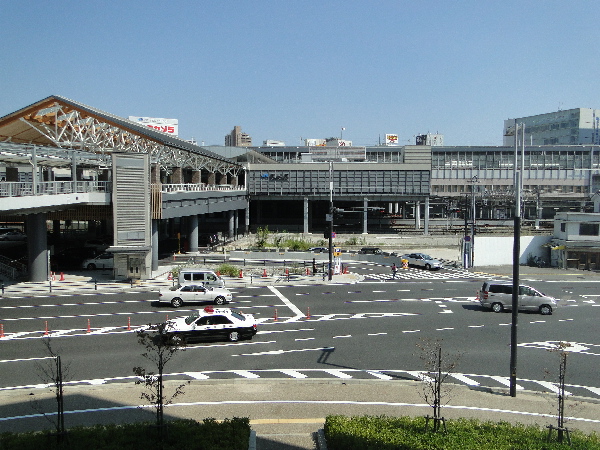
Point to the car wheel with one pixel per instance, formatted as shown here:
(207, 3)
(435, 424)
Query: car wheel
(176, 302)
(427, 266)
(497, 307)
(220, 300)
(234, 336)
(91, 266)
(545, 310)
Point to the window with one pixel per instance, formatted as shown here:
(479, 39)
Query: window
(588, 229)
(563, 227)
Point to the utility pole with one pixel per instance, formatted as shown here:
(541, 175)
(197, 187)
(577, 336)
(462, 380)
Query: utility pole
(330, 218)
(516, 257)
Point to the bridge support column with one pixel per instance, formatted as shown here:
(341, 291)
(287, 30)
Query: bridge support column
(247, 219)
(305, 217)
(365, 212)
(231, 223)
(177, 176)
(154, 244)
(37, 247)
(426, 229)
(417, 215)
(193, 232)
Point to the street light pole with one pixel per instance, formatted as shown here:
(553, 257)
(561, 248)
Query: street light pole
(516, 257)
(330, 269)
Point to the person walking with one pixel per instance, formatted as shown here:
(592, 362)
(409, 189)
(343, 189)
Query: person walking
(394, 271)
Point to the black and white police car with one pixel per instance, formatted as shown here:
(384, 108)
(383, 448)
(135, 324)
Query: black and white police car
(211, 324)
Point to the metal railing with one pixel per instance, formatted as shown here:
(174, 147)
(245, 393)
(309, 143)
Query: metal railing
(197, 187)
(20, 189)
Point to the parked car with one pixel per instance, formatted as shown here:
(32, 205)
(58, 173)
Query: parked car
(211, 324)
(12, 234)
(319, 249)
(190, 293)
(370, 251)
(422, 260)
(102, 261)
(200, 276)
(497, 296)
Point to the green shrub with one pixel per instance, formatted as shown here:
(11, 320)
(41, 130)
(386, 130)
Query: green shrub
(387, 433)
(231, 434)
(229, 270)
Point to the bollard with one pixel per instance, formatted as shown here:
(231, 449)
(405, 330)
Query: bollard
(46, 332)
(251, 278)
(1, 330)
(264, 273)
(128, 323)
(275, 318)
(131, 282)
(50, 281)
(241, 274)
(88, 328)
(3, 288)
(95, 284)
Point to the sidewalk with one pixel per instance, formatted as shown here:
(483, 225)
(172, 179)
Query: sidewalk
(288, 414)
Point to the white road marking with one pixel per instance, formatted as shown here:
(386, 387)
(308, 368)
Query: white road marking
(552, 387)
(289, 304)
(464, 379)
(505, 381)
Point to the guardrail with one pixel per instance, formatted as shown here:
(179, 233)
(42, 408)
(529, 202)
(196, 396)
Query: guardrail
(21, 189)
(197, 187)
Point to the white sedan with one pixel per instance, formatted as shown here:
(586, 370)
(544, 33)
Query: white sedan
(422, 260)
(178, 295)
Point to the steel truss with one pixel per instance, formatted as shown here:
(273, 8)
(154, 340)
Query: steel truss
(71, 129)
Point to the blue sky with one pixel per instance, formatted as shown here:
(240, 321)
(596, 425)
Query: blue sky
(288, 70)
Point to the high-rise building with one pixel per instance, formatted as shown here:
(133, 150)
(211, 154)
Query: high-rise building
(579, 126)
(238, 139)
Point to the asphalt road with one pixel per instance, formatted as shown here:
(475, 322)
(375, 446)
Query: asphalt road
(368, 330)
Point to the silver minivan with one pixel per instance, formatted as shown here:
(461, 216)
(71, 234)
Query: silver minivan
(200, 276)
(497, 296)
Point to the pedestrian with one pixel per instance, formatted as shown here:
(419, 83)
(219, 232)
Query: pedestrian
(394, 270)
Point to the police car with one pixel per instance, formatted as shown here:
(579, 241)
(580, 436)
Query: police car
(211, 324)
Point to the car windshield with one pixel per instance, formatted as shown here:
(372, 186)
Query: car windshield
(238, 315)
(426, 257)
(190, 319)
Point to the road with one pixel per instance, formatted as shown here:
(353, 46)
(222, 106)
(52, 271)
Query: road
(370, 330)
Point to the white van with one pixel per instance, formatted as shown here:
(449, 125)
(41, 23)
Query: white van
(200, 276)
(497, 296)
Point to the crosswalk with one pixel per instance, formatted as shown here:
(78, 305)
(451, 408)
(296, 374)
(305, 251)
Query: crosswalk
(413, 273)
(480, 381)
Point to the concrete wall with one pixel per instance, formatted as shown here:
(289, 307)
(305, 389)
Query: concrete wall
(498, 251)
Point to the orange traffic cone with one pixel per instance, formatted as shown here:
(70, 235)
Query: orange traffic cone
(264, 272)
(170, 277)
(241, 274)
(62, 277)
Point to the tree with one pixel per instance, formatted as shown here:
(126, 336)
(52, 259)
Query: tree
(160, 348)
(562, 431)
(262, 235)
(52, 372)
(438, 367)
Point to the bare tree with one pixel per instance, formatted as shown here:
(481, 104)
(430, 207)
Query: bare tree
(438, 367)
(562, 431)
(160, 348)
(52, 372)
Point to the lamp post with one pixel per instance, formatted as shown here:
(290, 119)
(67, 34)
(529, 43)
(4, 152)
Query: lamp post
(330, 218)
(516, 255)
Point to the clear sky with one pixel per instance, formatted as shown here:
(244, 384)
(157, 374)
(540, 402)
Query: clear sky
(288, 70)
